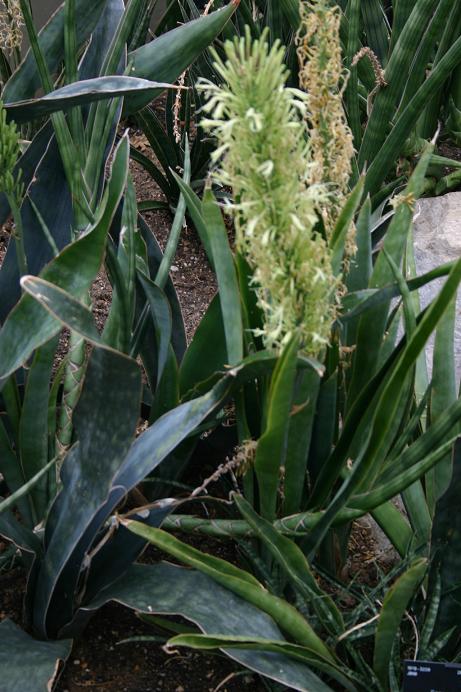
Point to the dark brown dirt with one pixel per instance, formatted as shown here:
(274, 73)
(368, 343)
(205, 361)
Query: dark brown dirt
(100, 662)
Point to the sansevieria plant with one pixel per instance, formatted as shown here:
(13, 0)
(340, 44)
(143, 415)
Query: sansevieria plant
(300, 354)
(338, 436)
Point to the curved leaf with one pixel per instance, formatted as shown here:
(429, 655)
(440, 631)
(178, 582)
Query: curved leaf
(293, 562)
(298, 653)
(395, 603)
(26, 663)
(161, 314)
(64, 307)
(446, 554)
(29, 325)
(207, 351)
(104, 435)
(241, 583)
(272, 445)
(82, 93)
(48, 174)
(167, 56)
(167, 589)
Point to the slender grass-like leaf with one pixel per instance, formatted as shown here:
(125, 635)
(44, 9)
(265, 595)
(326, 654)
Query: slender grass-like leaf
(368, 298)
(352, 89)
(402, 480)
(195, 210)
(395, 603)
(292, 560)
(154, 171)
(178, 223)
(226, 276)
(443, 394)
(367, 467)
(425, 51)
(271, 449)
(388, 96)
(446, 556)
(371, 331)
(402, 11)
(374, 21)
(390, 149)
(161, 315)
(26, 488)
(430, 616)
(205, 642)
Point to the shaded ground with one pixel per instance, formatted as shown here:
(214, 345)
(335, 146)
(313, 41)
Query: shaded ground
(100, 662)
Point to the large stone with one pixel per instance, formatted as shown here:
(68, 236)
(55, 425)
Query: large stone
(437, 240)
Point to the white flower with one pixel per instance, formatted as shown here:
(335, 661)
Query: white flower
(255, 119)
(266, 168)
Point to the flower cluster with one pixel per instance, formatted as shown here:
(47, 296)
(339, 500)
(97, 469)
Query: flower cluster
(10, 182)
(322, 76)
(263, 155)
(11, 21)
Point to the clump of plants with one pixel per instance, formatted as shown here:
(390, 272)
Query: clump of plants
(324, 473)
(309, 357)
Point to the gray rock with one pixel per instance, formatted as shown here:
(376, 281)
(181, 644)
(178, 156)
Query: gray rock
(437, 240)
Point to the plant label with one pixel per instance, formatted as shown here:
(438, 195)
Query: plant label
(427, 676)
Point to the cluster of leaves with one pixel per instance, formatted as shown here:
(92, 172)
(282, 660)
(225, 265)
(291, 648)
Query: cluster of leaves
(325, 434)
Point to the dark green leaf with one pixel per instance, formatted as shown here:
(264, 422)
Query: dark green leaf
(226, 275)
(25, 81)
(166, 589)
(82, 93)
(26, 663)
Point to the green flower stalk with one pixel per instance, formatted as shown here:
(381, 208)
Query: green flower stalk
(322, 77)
(264, 156)
(10, 181)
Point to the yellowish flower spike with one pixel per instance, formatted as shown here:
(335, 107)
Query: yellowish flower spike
(11, 21)
(322, 78)
(263, 155)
